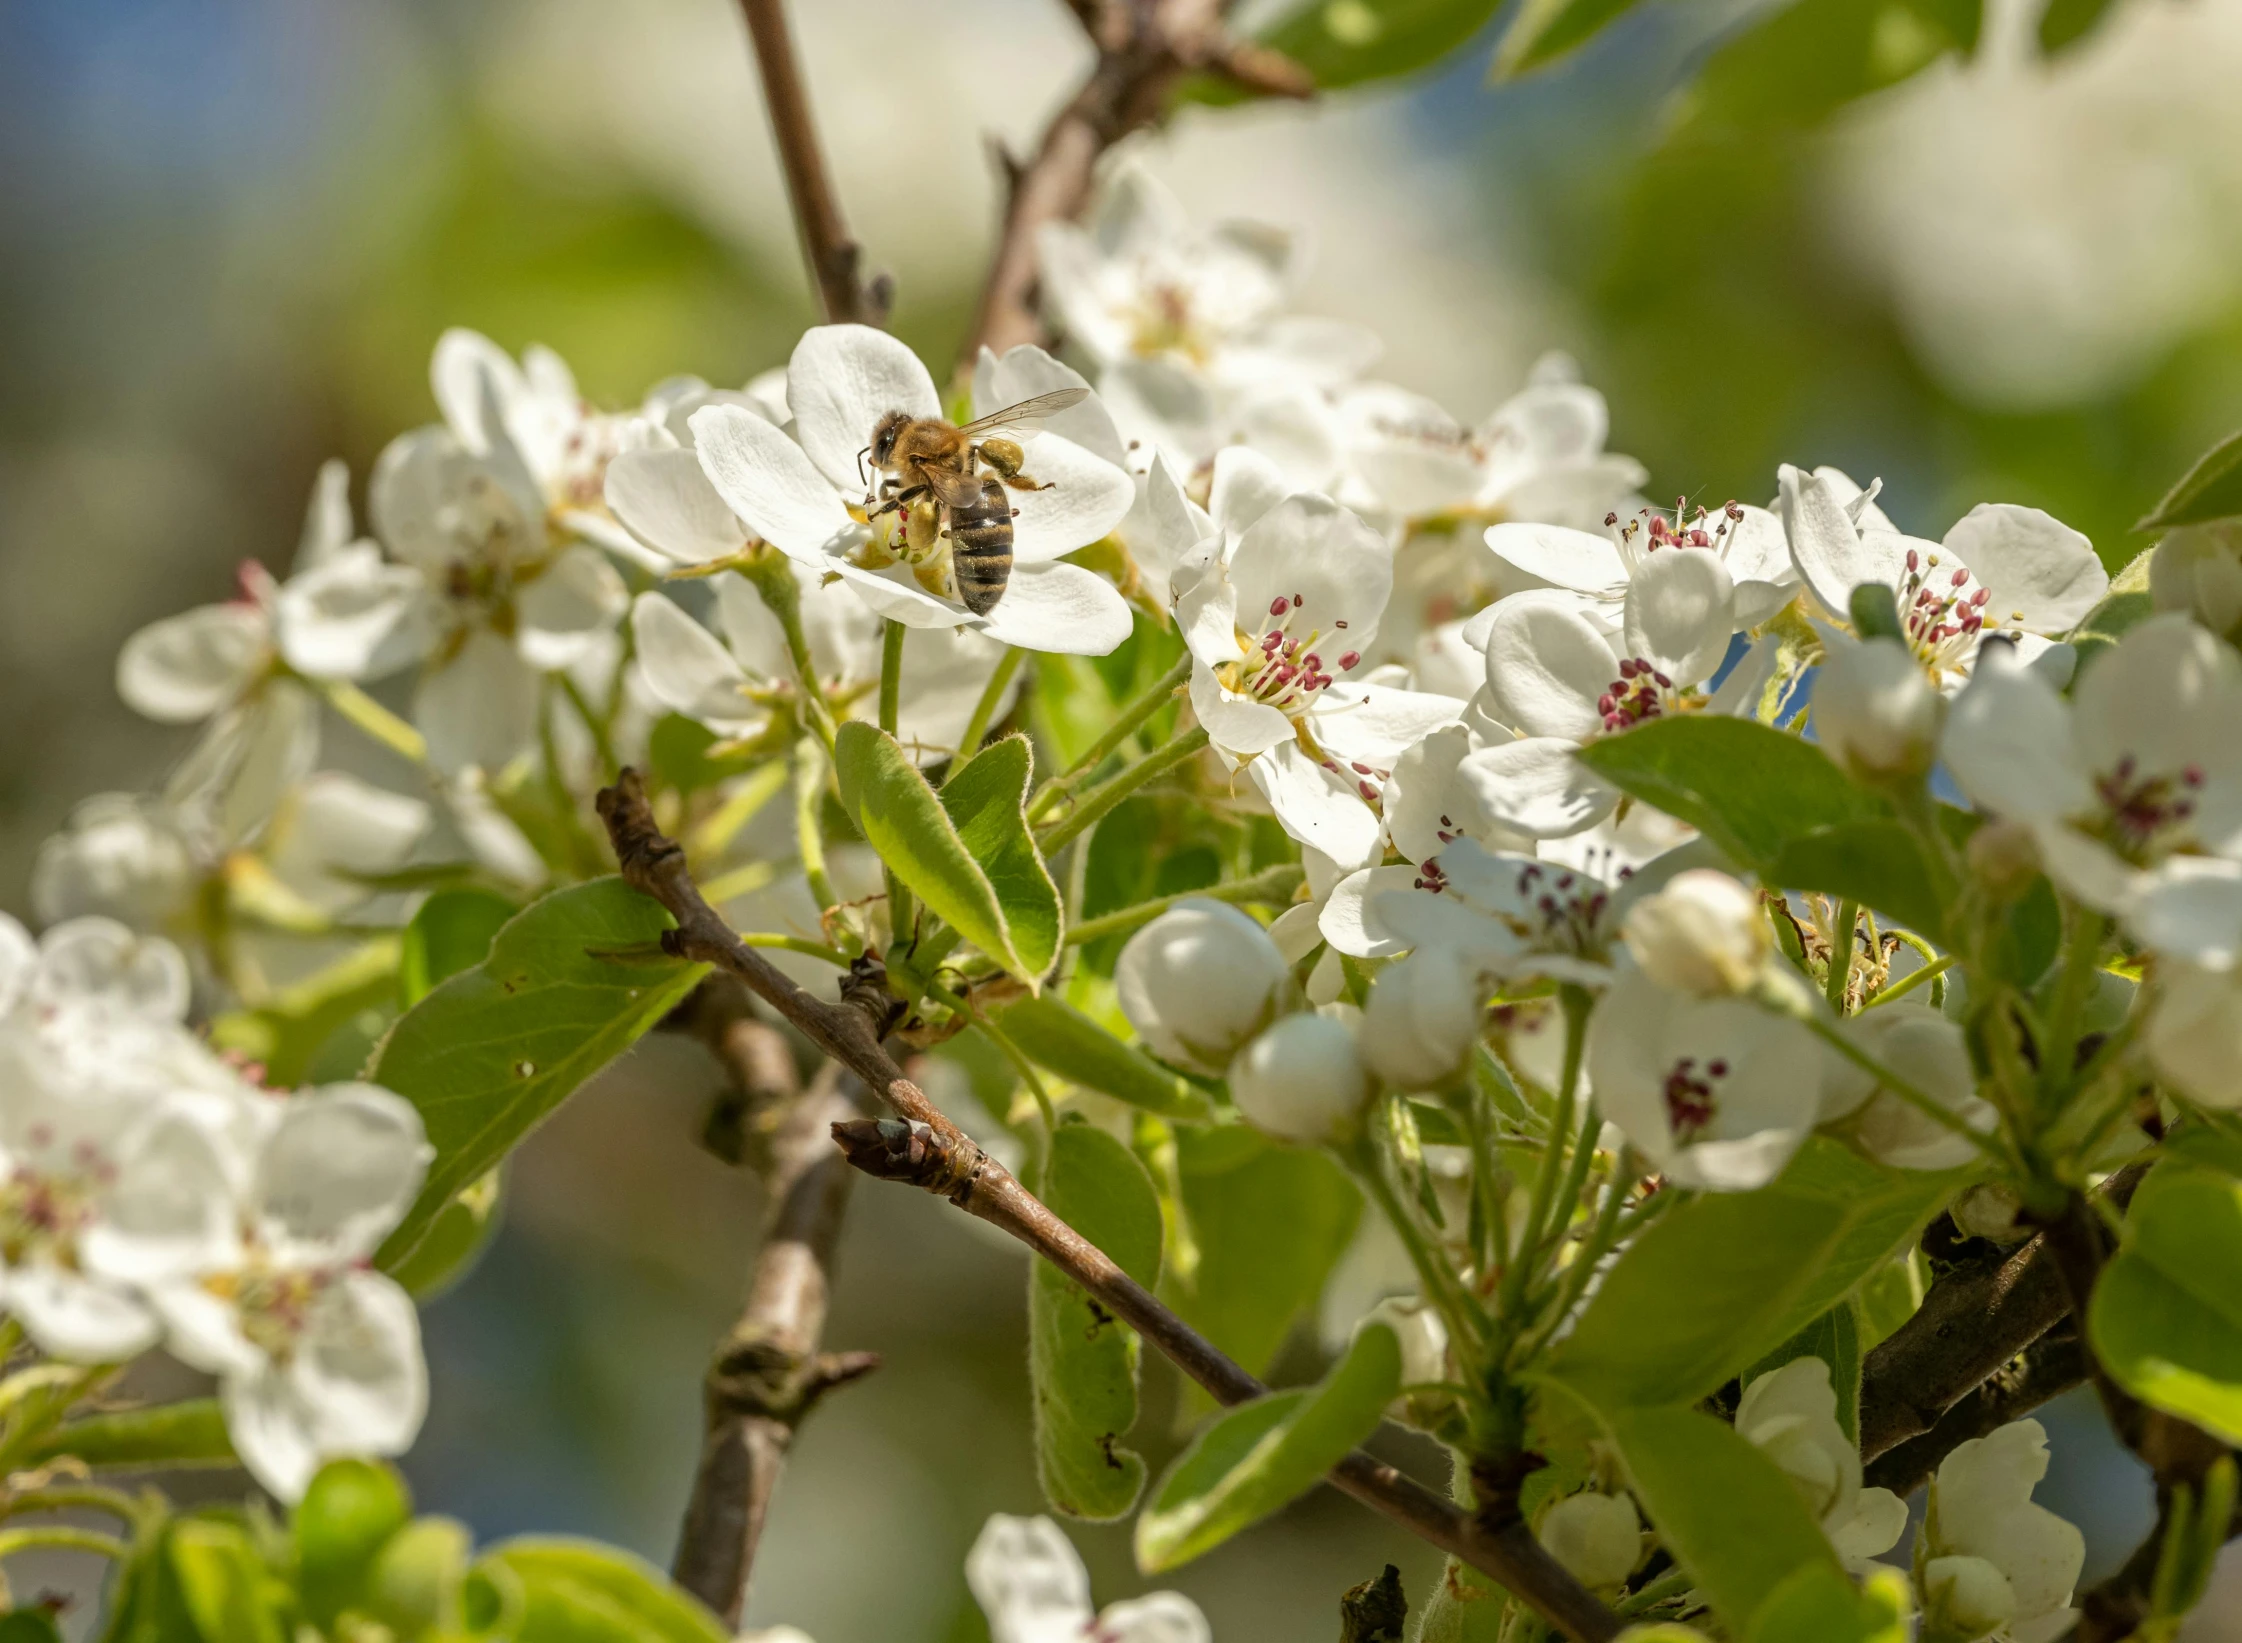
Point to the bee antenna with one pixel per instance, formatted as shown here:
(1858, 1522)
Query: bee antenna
(860, 456)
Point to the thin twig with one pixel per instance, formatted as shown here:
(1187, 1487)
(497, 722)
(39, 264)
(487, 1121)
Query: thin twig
(930, 1151)
(768, 1372)
(832, 255)
(1145, 48)
(2050, 1367)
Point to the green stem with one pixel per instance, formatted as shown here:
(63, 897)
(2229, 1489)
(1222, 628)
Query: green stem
(796, 944)
(602, 743)
(374, 719)
(1912, 980)
(740, 807)
(1077, 891)
(1003, 1041)
(984, 710)
(1664, 1587)
(742, 880)
(61, 1537)
(1466, 1319)
(1602, 1236)
(1486, 1167)
(1513, 1293)
(1841, 954)
(809, 793)
(1095, 803)
(1271, 884)
(2073, 989)
(1141, 708)
(1907, 1091)
(90, 1497)
(901, 911)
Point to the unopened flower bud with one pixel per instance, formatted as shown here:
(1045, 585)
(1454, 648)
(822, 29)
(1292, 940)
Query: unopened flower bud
(1704, 935)
(1199, 981)
(1423, 1337)
(1598, 1538)
(1992, 1211)
(2198, 569)
(1965, 1597)
(1421, 1021)
(1302, 1080)
(2004, 858)
(1875, 712)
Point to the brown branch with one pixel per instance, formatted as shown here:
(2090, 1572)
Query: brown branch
(2050, 1367)
(1145, 48)
(768, 1372)
(930, 1151)
(833, 256)
(1974, 1319)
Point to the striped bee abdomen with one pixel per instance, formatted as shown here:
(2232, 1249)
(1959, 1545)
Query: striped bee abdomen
(981, 547)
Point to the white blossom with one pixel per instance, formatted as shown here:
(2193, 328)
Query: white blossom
(1929, 1051)
(1598, 1538)
(804, 491)
(1717, 1092)
(1597, 568)
(1303, 1080)
(1875, 712)
(1030, 1582)
(2197, 570)
(1791, 1413)
(1421, 1019)
(119, 856)
(1704, 934)
(1990, 1562)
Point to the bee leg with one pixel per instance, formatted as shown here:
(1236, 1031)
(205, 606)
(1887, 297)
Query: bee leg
(896, 501)
(1024, 482)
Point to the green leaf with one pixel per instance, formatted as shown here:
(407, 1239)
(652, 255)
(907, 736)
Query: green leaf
(1732, 1518)
(2167, 1313)
(348, 1514)
(2212, 489)
(2066, 22)
(285, 1034)
(1748, 787)
(223, 1584)
(922, 841)
(1877, 863)
(1719, 1282)
(1054, 1034)
(452, 932)
(2211, 1142)
(1261, 1456)
(1081, 1359)
(1835, 1338)
(571, 983)
(1270, 1223)
(1817, 1605)
(29, 1626)
(1355, 42)
(192, 1433)
(574, 1591)
(1467, 1607)
(1795, 64)
(416, 1585)
(1545, 30)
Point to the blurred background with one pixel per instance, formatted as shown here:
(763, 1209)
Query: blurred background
(230, 231)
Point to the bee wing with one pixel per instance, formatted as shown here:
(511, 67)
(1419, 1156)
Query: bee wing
(1028, 413)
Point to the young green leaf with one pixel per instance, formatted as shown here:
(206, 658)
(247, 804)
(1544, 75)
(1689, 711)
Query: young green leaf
(1261, 1456)
(1356, 42)
(1877, 863)
(2212, 489)
(190, 1433)
(1835, 1338)
(2167, 1313)
(461, 1232)
(351, 1511)
(1818, 1605)
(1081, 1359)
(1720, 1282)
(574, 1591)
(1466, 1607)
(1748, 787)
(987, 801)
(570, 984)
(223, 1583)
(1544, 30)
(452, 932)
(1054, 1034)
(1270, 1222)
(920, 838)
(286, 1034)
(2066, 22)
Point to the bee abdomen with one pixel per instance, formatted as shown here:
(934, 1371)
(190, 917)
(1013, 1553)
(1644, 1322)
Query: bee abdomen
(981, 547)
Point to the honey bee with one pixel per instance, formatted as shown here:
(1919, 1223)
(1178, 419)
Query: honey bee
(929, 460)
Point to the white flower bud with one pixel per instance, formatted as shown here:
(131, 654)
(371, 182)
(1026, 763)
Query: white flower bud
(2194, 1034)
(1875, 711)
(2004, 857)
(1990, 1210)
(1302, 1080)
(1421, 1021)
(1199, 981)
(1965, 1597)
(1598, 1538)
(1704, 935)
(1423, 1337)
(2198, 569)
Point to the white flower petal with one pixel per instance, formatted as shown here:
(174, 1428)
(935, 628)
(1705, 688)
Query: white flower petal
(1062, 609)
(1027, 371)
(1580, 560)
(187, 667)
(479, 708)
(352, 616)
(1333, 571)
(1317, 806)
(2044, 575)
(667, 502)
(573, 604)
(271, 1430)
(340, 1169)
(1681, 609)
(1236, 726)
(359, 1368)
(895, 594)
(767, 480)
(98, 965)
(842, 380)
(76, 1318)
(170, 1211)
(1831, 552)
(1360, 917)
(1245, 486)
(688, 671)
(1376, 724)
(2008, 742)
(2190, 907)
(1536, 786)
(1029, 1581)
(1086, 498)
(1161, 1617)
(1547, 667)
(327, 523)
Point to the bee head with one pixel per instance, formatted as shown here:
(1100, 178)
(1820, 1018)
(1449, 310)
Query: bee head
(884, 436)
